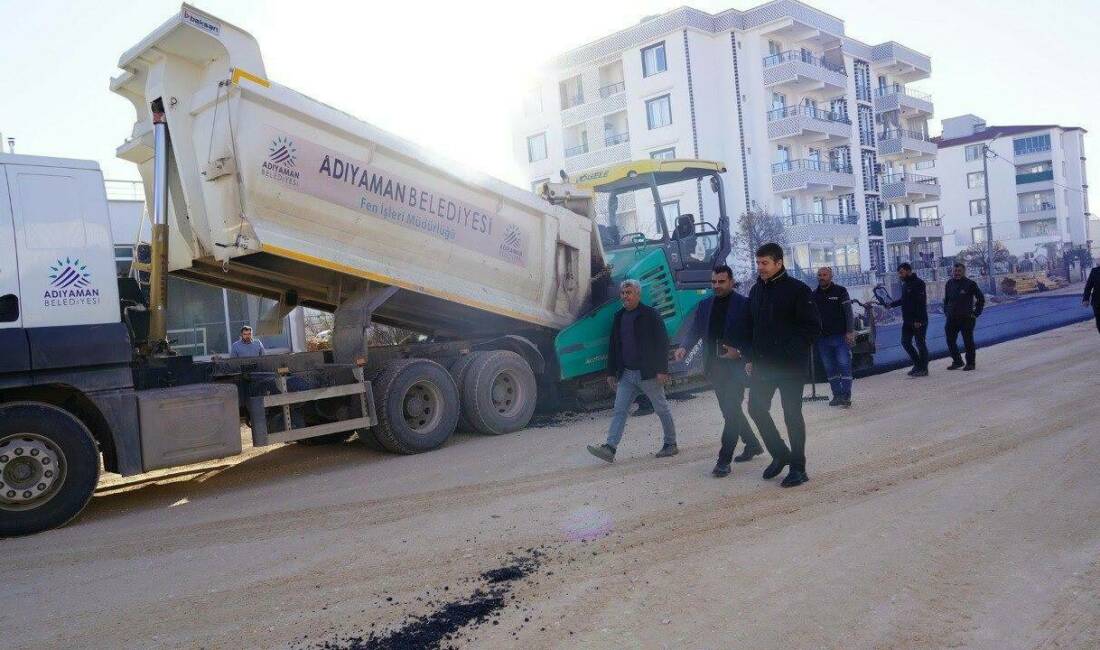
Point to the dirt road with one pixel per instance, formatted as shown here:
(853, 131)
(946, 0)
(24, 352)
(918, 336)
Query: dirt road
(961, 510)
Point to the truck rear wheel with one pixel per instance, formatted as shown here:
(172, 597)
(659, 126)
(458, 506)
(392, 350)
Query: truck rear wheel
(49, 467)
(417, 403)
(458, 373)
(499, 392)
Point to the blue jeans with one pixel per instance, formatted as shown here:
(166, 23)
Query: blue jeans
(630, 384)
(837, 357)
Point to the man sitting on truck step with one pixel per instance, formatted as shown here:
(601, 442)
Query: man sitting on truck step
(246, 346)
(637, 362)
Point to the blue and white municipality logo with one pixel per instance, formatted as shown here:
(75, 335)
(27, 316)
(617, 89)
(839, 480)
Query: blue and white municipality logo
(70, 273)
(70, 284)
(283, 152)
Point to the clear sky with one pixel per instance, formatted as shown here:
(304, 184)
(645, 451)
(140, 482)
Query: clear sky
(448, 75)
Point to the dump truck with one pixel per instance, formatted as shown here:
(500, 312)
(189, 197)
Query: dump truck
(254, 187)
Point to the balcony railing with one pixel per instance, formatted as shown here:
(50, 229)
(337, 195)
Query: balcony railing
(618, 138)
(913, 222)
(898, 89)
(1037, 148)
(571, 101)
(808, 111)
(806, 164)
(612, 89)
(891, 134)
(906, 177)
(1035, 177)
(814, 219)
(576, 151)
(804, 57)
(1031, 209)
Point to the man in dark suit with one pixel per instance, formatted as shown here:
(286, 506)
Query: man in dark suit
(1092, 294)
(637, 362)
(785, 324)
(722, 322)
(914, 318)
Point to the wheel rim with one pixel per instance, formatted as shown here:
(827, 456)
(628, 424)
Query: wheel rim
(32, 470)
(423, 407)
(506, 393)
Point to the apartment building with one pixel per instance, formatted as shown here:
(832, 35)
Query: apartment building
(1038, 189)
(814, 126)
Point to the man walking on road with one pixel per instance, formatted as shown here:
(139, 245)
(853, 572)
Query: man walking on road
(963, 302)
(637, 362)
(838, 334)
(1092, 291)
(784, 325)
(914, 318)
(722, 322)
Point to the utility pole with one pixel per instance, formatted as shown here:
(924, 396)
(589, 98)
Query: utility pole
(988, 222)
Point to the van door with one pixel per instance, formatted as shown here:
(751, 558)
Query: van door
(14, 355)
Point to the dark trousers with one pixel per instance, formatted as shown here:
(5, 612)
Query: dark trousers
(762, 388)
(730, 390)
(1096, 310)
(918, 354)
(952, 329)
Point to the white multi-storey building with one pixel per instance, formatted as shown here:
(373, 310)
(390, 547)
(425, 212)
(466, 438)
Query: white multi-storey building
(1038, 190)
(814, 126)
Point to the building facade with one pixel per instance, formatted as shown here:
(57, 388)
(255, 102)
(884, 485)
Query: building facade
(1038, 188)
(814, 126)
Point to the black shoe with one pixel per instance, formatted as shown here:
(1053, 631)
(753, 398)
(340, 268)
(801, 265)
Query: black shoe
(846, 403)
(720, 470)
(835, 401)
(603, 452)
(919, 373)
(747, 455)
(955, 365)
(969, 366)
(773, 470)
(912, 371)
(794, 477)
(668, 450)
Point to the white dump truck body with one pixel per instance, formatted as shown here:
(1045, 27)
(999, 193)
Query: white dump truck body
(276, 193)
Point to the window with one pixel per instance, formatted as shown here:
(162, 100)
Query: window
(926, 164)
(671, 211)
(787, 207)
(973, 151)
(1031, 144)
(572, 92)
(977, 206)
(536, 147)
(779, 100)
(653, 59)
(658, 111)
(663, 154)
(978, 234)
(819, 205)
(782, 153)
(975, 179)
(537, 185)
(929, 215)
(124, 256)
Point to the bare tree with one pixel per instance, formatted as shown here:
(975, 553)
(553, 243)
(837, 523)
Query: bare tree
(974, 257)
(754, 229)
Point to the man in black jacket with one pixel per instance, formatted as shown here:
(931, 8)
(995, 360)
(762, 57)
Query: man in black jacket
(963, 302)
(785, 323)
(637, 362)
(914, 318)
(1092, 290)
(838, 334)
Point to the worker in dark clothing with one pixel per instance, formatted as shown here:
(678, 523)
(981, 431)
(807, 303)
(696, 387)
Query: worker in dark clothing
(963, 302)
(722, 323)
(784, 325)
(838, 334)
(637, 362)
(1092, 294)
(914, 318)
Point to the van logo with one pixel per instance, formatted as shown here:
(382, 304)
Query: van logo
(283, 152)
(70, 273)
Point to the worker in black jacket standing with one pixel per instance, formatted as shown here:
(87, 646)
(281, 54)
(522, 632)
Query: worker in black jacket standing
(785, 323)
(838, 334)
(1092, 294)
(637, 362)
(963, 302)
(914, 318)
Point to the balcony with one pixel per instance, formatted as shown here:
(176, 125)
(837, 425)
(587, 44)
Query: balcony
(1035, 177)
(911, 103)
(901, 62)
(611, 140)
(908, 188)
(807, 124)
(577, 150)
(612, 89)
(799, 175)
(902, 144)
(803, 228)
(801, 71)
(899, 231)
(1039, 212)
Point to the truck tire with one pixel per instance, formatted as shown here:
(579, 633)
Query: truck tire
(49, 467)
(417, 403)
(458, 373)
(499, 392)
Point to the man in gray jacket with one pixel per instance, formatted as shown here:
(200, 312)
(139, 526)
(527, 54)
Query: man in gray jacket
(246, 346)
